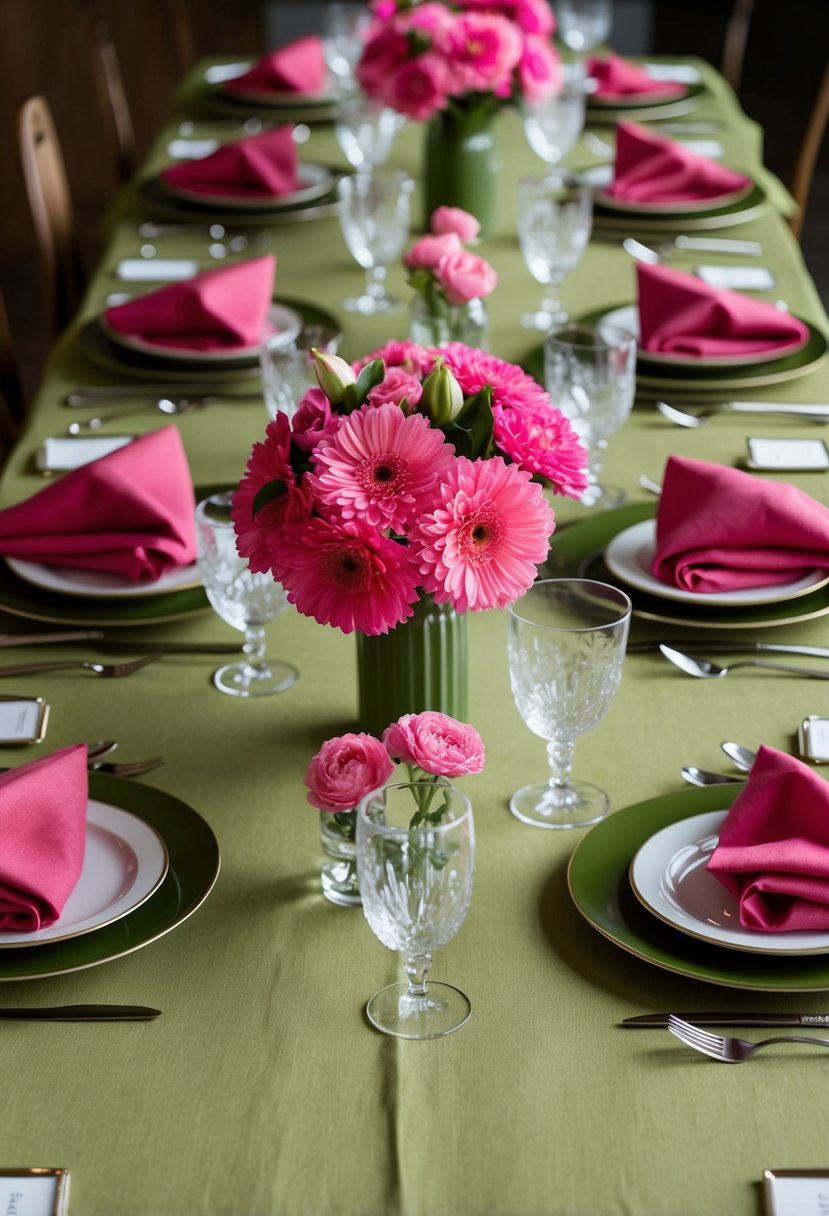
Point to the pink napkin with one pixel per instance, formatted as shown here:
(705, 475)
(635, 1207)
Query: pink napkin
(258, 167)
(129, 513)
(42, 837)
(298, 67)
(773, 850)
(719, 529)
(222, 309)
(618, 79)
(653, 169)
(681, 315)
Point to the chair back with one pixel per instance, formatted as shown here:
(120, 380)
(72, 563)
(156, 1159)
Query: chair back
(734, 44)
(804, 168)
(12, 396)
(112, 97)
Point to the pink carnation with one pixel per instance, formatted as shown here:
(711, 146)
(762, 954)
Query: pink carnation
(541, 440)
(429, 250)
(465, 276)
(474, 369)
(396, 386)
(385, 48)
(344, 770)
(438, 744)
(268, 461)
(404, 353)
(419, 87)
(314, 420)
(480, 547)
(454, 219)
(539, 72)
(485, 49)
(345, 574)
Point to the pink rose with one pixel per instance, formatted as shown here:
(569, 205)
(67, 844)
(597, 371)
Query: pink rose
(465, 276)
(395, 385)
(430, 249)
(446, 220)
(344, 770)
(314, 420)
(419, 87)
(385, 49)
(485, 49)
(438, 744)
(539, 72)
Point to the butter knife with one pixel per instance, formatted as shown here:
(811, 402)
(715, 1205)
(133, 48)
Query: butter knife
(816, 652)
(117, 644)
(652, 1020)
(82, 1013)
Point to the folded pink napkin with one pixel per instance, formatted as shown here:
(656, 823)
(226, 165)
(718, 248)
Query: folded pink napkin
(129, 513)
(650, 168)
(617, 79)
(719, 529)
(222, 309)
(258, 167)
(298, 67)
(773, 849)
(681, 315)
(42, 837)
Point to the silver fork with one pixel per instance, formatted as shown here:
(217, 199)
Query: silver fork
(127, 768)
(107, 670)
(726, 1049)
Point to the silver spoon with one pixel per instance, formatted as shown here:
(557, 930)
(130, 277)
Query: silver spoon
(743, 757)
(701, 776)
(653, 487)
(703, 244)
(704, 669)
(681, 417)
(182, 406)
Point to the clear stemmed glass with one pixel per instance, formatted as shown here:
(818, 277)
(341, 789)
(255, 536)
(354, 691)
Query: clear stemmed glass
(288, 367)
(365, 130)
(566, 643)
(555, 218)
(346, 26)
(375, 210)
(583, 24)
(244, 600)
(416, 884)
(553, 124)
(590, 371)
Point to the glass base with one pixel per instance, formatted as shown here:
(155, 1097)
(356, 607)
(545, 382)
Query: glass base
(241, 680)
(369, 306)
(439, 1011)
(543, 319)
(576, 805)
(339, 883)
(605, 497)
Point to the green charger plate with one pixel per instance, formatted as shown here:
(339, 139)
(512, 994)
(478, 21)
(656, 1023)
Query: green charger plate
(579, 548)
(212, 98)
(166, 204)
(740, 211)
(599, 885)
(194, 867)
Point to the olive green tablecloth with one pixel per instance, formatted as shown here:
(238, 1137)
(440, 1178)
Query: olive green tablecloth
(262, 1089)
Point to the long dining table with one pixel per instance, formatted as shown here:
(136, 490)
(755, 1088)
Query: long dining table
(262, 1088)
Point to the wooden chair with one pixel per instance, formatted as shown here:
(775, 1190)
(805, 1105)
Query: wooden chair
(112, 97)
(52, 212)
(12, 397)
(734, 44)
(804, 167)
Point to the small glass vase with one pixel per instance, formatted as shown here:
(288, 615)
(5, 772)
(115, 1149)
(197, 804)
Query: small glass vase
(436, 323)
(338, 873)
(460, 163)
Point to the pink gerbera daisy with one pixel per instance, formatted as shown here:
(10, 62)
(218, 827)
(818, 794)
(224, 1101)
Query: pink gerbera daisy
(345, 574)
(480, 547)
(542, 441)
(268, 461)
(381, 466)
(474, 369)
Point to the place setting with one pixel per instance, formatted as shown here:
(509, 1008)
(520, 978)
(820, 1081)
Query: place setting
(291, 82)
(625, 90)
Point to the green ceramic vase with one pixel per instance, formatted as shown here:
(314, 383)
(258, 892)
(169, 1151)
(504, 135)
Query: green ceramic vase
(460, 166)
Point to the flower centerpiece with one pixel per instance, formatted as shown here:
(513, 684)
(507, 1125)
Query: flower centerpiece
(453, 65)
(450, 282)
(434, 747)
(406, 491)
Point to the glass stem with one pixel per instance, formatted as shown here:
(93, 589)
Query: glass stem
(254, 649)
(376, 282)
(595, 459)
(560, 755)
(416, 968)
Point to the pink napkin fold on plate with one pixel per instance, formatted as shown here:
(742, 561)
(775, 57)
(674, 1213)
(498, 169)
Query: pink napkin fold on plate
(681, 315)
(617, 79)
(42, 837)
(222, 309)
(128, 513)
(263, 166)
(773, 848)
(650, 168)
(720, 529)
(298, 67)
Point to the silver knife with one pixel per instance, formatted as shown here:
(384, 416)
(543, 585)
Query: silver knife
(730, 1019)
(100, 394)
(83, 1013)
(117, 644)
(815, 652)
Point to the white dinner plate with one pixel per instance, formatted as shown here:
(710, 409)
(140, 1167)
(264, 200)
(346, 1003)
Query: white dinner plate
(315, 182)
(279, 318)
(676, 207)
(100, 584)
(627, 318)
(125, 861)
(669, 877)
(630, 553)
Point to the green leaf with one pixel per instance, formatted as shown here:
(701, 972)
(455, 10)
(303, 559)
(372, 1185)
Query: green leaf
(471, 431)
(267, 493)
(370, 376)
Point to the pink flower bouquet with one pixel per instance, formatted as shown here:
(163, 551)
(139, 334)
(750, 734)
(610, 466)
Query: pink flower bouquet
(416, 470)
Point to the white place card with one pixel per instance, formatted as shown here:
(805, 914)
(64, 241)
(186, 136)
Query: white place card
(34, 1192)
(711, 148)
(788, 455)
(813, 739)
(191, 149)
(796, 1192)
(156, 270)
(683, 73)
(22, 720)
(59, 454)
(737, 278)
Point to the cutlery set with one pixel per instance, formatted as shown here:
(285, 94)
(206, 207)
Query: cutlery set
(688, 1028)
(697, 418)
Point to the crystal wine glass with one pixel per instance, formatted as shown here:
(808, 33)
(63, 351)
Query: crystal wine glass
(583, 24)
(555, 218)
(365, 130)
(590, 372)
(375, 210)
(553, 124)
(416, 884)
(346, 26)
(244, 600)
(566, 642)
(288, 366)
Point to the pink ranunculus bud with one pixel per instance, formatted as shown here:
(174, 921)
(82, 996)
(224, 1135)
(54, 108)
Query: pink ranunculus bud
(428, 251)
(454, 219)
(333, 374)
(436, 743)
(345, 769)
(465, 276)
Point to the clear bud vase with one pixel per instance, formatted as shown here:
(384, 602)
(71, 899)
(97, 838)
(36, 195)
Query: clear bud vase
(338, 873)
(436, 323)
